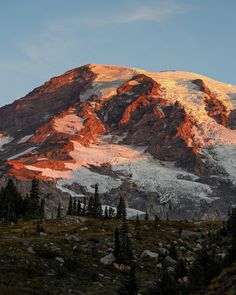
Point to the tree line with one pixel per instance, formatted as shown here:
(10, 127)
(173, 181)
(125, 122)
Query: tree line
(14, 206)
(92, 207)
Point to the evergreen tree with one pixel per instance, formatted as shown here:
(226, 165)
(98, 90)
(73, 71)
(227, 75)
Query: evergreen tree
(204, 267)
(70, 207)
(138, 235)
(90, 209)
(128, 283)
(34, 200)
(97, 210)
(126, 248)
(168, 284)
(156, 221)
(121, 209)
(231, 228)
(11, 203)
(111, 212)
(106, 214)
(100, 212)
(116, 251)
(167, 216)
(137, 223)
(42, 209)
(173, 252)
(231, 223)
(39, 228)
(74, 209)
(78, 208)
(124, 212)
(84, 207)
(181, 269)
(137, 228)
(59, 210)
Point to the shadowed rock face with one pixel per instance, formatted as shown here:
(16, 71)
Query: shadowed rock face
(156, 138)
(44, 102)
(214, 107)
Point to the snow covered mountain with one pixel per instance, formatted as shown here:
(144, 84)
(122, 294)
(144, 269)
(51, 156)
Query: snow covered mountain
(166, 141)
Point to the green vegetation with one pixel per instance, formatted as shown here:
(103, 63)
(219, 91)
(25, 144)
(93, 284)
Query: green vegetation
(67, 255)
(94, 252)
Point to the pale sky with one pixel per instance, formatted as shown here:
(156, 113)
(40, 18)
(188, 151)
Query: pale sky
(44, 38)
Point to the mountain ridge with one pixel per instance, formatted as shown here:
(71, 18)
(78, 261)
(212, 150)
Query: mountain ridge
(163, 139)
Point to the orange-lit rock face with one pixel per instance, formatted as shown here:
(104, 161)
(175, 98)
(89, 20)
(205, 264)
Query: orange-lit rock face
(124, 128)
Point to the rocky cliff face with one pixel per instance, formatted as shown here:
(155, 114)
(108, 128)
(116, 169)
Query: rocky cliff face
(165, 141)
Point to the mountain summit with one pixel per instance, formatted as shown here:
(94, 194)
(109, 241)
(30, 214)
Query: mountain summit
(166, 141)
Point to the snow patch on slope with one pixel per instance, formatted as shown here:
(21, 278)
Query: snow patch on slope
(29, 150)
(178, 87)
(4, 140)
(108, 79)
(25, 138)
(131, 212)
(132, 165)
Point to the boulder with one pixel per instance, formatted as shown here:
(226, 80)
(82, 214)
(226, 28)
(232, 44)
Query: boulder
(147, 253)
(60, 260)
(146, 227)
(170, 269)
(163, 251)
(73, 238)
(170, 260)
(188, 234)
(108, 259)
(30, 250)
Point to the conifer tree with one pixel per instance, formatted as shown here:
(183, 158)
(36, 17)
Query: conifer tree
(111, 212)
(146, 216)
(137, 223)
(78, 208)
(204, 267)
(42, 209)
(39, 228)
(231, 228)
(167, 216)
(106, 214)
(70, 207)
(124, 212)
(74, 207)
(138, 235)
(231, 223)
(11, 203)
(173, 252)
(181, 269)
(84, 207)
(59, 210)
(90, 209)
(35, 199)
(128, 283)
(156, 221)
(96, 212)
(116, 251)
(121, 209)
(126, 247)
(167, 286)
(100, 211)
